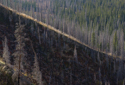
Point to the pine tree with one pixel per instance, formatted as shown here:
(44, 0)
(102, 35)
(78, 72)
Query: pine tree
(99, 74)
(6, 53)
(75, 54)
(20, 52)
(122, 44)
(15, 77)
(115, 42)
(37, 75)
(36, 72)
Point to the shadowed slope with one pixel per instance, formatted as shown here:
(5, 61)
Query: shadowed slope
(56, 55)
(54, 29)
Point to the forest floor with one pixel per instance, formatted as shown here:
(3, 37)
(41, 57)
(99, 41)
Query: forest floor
(4, 75)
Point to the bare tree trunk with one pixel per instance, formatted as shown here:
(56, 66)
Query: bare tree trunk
(39, 36)
(19, 71)
(19, 61)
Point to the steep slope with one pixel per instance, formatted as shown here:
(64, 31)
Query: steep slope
(62, 59)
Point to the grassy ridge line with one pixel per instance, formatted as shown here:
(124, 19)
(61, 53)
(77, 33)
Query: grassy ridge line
(54, 29)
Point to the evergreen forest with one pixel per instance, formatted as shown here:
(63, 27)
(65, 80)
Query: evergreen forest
(62, 42)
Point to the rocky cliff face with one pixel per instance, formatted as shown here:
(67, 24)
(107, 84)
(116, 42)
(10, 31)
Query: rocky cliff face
(61, 59)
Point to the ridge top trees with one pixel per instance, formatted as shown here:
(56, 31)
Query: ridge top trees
(93, 39)
(115, 41)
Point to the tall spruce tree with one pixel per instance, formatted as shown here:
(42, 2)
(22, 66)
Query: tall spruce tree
(36, 72)
(20, 52)
(93, 39)
(115, 41)
(37, 75)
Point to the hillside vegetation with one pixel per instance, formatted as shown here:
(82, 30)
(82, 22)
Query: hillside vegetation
(97, 23)
(47, 56)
